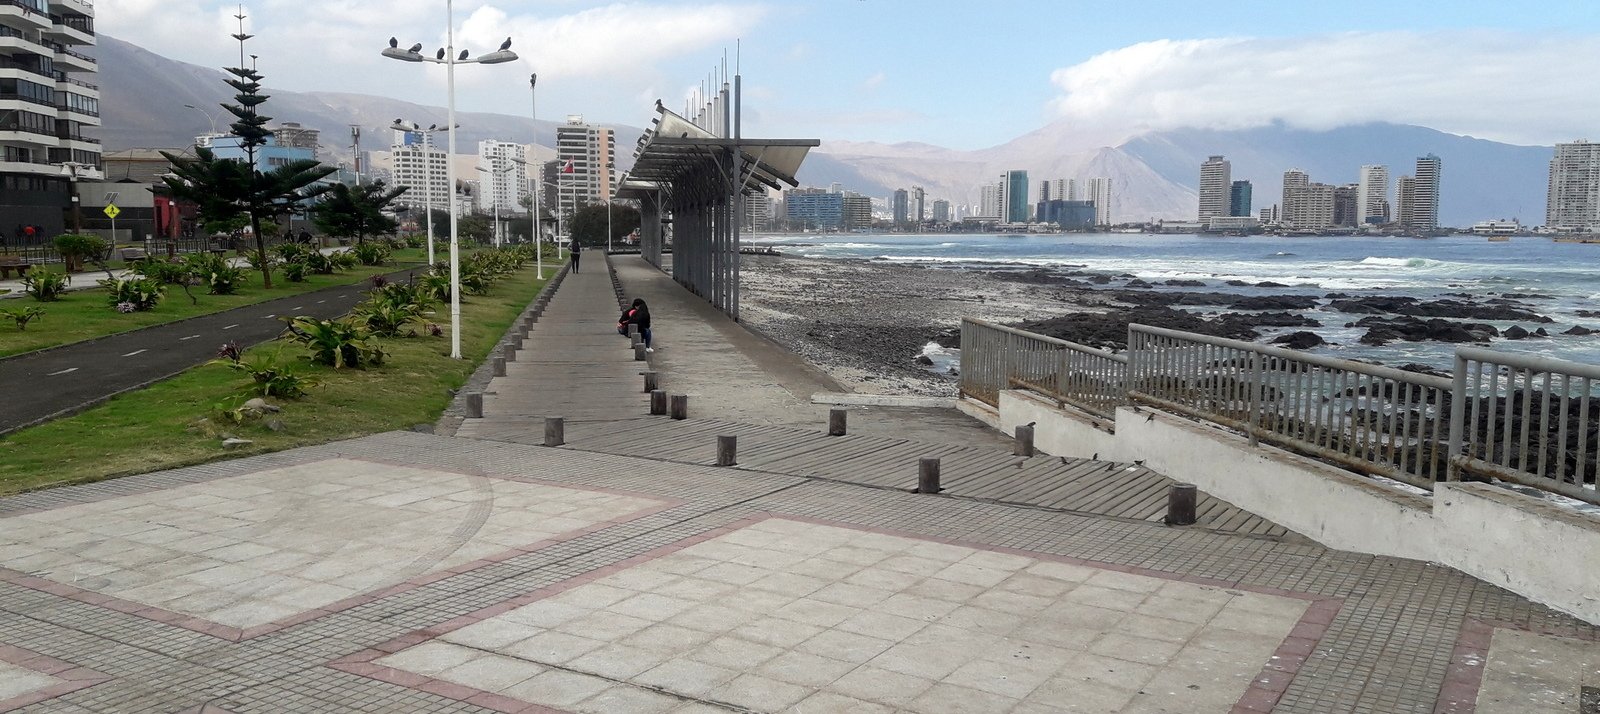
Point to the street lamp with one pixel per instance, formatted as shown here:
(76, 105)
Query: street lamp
(447, 57)
(427, 170)
(533, 115)
(611, 185)
(496, 196)
(70, 168)
(209, 118)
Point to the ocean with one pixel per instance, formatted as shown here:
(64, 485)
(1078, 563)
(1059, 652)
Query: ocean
(1568, 273)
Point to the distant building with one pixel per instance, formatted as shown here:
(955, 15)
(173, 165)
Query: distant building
(900, 204)
(1239, 198)
(268, 156)
(1501, 227)
(918, 209)
(1572, 202)
(1071, 215)
(1216, 176)
(857, 210)
(1372, 197)
(941, 211)
(1405, 201)
(1311, 207)
(1344, 205)
(990, 204)
(1269, 215)
(1016, 197)
(295, 136)
(1425, 202)
(1293, 181)
(814, 208)
(585, 158)
(1098, 192)
(758, 211)
(1232, 223)
(503, 180)
(418, 164)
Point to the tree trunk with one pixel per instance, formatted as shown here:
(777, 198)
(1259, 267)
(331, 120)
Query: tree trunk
(261, 246)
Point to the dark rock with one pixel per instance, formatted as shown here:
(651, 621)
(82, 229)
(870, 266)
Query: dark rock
(1338, 296)
(1382, 330)
(1185, 283)
(1270, 284)
(1498, 309)
(1589, 313)
(1515, 332)
(924, 360)
(275, 425)
(1272, 319)
(1137, 283)
(1275, 302)
(948, 338)
(1541, 332)
(1101, 280)
(1422, 369)
(1301, 340)
(1580, 331)
(1238, 283)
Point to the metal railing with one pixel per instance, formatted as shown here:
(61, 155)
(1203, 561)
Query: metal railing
(1527, 419)
(995, 357)
(1368, 418)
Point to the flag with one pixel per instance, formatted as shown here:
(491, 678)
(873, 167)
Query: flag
(566, 168)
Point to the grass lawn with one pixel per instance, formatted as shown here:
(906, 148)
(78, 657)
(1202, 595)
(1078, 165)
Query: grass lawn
(150, 430)
(84, 314)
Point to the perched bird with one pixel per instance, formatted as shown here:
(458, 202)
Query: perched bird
(398, 122)
(440, 55)
(1139, 462)
(660, 107)
(505, 45)
(1150, 418)
(416, 47)
(1096, 456)
(394, 42)
(463, 56)
(1031, 423)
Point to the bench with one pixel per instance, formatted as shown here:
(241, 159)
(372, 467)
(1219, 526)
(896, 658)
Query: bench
(131, 253)
(9, 263)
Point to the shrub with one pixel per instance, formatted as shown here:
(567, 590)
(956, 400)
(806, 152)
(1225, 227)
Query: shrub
(436, 285)
(378, 281)
(416, 240)
(295, 271)
(161, 270)
(45, 285)
(259, 260)
(76, 248)
(216, 273)
(317, 263)
(342, 261)
(290, 252)
(24, 315)
(269, 378)
(386, 319)
(133, 294)
(336, 343)
(371, 253)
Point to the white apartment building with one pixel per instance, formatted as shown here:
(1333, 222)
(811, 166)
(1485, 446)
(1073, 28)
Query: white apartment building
(1425, 201)
(417, 163)
(585, 165)
(991, 200)
(1372, 195)
(48, 106)
(1099, 190)
(1216, 177)
(1573, 200)
(503, 177)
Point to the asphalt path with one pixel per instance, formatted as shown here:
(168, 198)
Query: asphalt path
(39, 386)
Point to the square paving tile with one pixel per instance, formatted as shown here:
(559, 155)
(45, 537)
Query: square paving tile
(28, 677)
(251, 550)
(1530, 673)
(990, 631)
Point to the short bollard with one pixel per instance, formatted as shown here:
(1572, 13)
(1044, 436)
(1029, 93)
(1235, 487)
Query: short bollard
(651, 380)
(680, 406)
(727, 450)
(658, 402)
(634, 340)
(633, 330)
(1181, 498)
(499, 366)
(928, 476)
(836, 421)
(640, 352)
(555, 431)
(474, 405)
(1024, 445)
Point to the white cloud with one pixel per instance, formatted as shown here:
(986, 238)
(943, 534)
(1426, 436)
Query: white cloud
(1516, 87)
(875, 81)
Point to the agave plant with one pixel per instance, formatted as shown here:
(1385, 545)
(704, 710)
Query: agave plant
(133, 294)
(336, 343)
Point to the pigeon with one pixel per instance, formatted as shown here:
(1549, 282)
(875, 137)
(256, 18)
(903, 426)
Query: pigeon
(394, 42)
(416, 48)
(398, 122)
(1150, 418)
(505, 45)
(1096, 456)
(463, 56)
(440, 55)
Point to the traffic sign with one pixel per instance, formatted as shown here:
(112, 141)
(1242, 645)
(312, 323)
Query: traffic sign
(112, 211)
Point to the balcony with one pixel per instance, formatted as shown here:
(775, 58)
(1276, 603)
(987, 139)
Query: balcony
(76, 28)
(71, 60)
(26, 11)
(82, 7)
(8, 63)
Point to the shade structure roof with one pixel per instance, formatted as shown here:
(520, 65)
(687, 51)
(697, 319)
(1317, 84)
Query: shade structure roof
(678, 152)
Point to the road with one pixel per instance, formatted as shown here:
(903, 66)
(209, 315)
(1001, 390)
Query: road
(39, 386)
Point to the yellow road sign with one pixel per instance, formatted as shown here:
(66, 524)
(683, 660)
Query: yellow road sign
(112, 211)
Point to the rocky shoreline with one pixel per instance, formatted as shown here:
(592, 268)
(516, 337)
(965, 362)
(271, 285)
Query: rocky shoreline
(867, 321)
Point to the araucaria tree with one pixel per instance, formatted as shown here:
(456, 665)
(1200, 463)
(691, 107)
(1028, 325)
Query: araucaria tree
(356, 211)
(224, 189)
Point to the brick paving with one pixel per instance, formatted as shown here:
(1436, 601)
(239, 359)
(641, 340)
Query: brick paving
(498, 577)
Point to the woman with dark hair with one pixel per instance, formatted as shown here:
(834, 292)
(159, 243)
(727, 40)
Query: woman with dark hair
(637, 314)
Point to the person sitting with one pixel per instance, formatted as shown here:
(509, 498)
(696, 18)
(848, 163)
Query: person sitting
(637, 314)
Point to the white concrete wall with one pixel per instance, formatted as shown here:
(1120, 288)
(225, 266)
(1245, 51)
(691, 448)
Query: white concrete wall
(1545, 553)
(980, 411)
(1059, 431)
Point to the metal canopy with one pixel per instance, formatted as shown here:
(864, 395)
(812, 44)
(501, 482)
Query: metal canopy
(700, 179)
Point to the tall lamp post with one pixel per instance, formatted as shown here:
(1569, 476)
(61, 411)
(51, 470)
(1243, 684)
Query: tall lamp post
(427, 170)
(533, 115)
(447, 57)
(208, 117)
(611, 190)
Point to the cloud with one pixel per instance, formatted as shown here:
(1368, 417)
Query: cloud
(873, 82)
(1506, 86)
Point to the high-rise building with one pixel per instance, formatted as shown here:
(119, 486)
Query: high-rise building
(918, 204)
(1313, 207)
(1099, 193)
(1372, 197)
(1425, 202)
(857, 210)
(1239, 198)
(1573, 198)
(835, 187)
(757, 211)
(1071, 215)
(1057, 190)
(814, 208)
(941, 211)
(585, 158)
(900, 204)
(1344, 205)
(1405, 201)
(48, 106)
(295, 136)
(1016, 197)
(1293, 181)
(1216, 175)
(503, 182)
(990, 203)
(417, 163)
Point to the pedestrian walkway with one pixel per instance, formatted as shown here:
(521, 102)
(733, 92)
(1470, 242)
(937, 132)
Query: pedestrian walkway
(408, 572)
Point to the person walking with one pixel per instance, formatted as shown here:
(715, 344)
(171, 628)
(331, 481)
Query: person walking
(576, 251)
(637, 314)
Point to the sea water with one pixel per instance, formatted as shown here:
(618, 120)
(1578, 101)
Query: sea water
(1569, 273)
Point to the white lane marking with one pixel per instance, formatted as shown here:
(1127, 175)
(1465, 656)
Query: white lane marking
(319, 302)
(64, 371)
(298, 308)
(229, 327)
(190, 337)
(130, 354)
(269, 317)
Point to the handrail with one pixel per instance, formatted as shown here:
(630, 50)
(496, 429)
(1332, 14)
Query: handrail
(1318, 360)
(1526, 419)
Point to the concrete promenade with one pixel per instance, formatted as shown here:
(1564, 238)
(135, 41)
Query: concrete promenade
(482, 572)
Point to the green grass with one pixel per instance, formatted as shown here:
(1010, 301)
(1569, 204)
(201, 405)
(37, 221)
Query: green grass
(84, 314)
(150, 429)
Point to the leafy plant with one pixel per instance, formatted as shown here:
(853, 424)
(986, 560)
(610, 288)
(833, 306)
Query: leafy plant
(387, 319)
(259, 259)
(290, 252)
(294, 271)
(230, 351)
(416, 240)
(216, 273)
(24, 315)
(161, 270)
(378, 281)
(336, 343)
(269, 378)
(343, 261)
(133, 294)
(372, 253)
(436, 285)
(75, 248)
(45, 285)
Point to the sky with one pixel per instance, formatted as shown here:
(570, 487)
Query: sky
(962, 75)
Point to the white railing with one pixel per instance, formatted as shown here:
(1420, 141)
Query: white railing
(995, 357)
(1528, 420)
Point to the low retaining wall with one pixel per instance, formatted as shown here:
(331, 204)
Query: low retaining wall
(1528, 546)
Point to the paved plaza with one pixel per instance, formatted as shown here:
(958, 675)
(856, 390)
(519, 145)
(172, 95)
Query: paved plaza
(410, 572)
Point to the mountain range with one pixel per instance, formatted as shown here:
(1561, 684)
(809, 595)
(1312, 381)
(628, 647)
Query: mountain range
(1154, 175)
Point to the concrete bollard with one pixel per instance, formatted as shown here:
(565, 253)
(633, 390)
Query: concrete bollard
(680, 406)
(651, 380)
(474, 405)
(658, 402)
(499, 366)
(633, 330)
(555, 431)
(639, 353)
(1181, 499)
(634, 340)
(928, 476)
(1024, 444)
(727, 450)
(836, 421)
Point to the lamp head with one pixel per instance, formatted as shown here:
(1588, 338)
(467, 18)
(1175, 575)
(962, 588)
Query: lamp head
(497, 57)
(402, 55)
